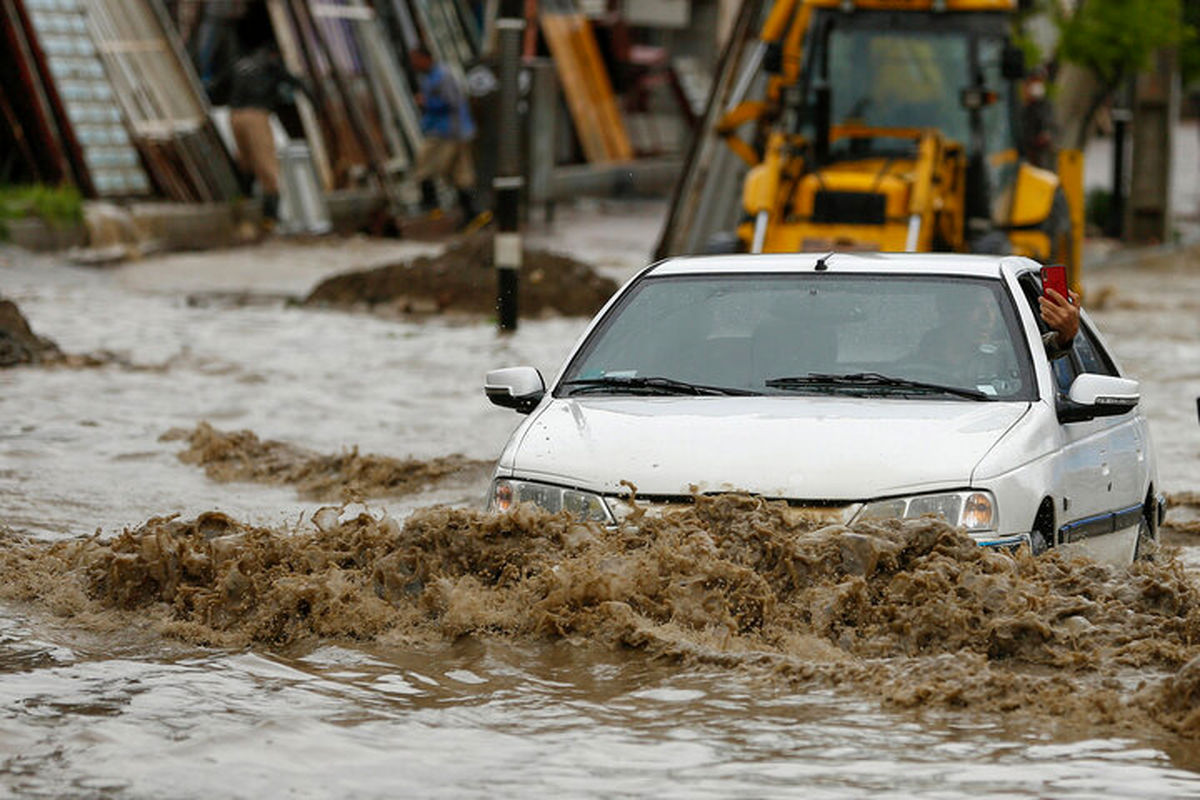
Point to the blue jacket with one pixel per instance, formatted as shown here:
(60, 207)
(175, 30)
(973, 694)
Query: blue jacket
(446, 113)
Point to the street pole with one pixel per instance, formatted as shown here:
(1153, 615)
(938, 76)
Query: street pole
(508, 181)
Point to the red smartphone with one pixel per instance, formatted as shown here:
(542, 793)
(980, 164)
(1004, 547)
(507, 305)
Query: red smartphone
(1055, 277)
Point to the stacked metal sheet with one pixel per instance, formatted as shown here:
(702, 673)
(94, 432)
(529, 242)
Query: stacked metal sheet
(114, 100)
(162, 100)
(361, 117)
(88, 97)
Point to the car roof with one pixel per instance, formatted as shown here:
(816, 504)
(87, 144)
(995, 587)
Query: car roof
(986, 266)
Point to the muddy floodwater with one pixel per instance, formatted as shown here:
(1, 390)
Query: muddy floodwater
(294, 590)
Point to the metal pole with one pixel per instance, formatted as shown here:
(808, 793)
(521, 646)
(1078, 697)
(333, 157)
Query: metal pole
(508, 181)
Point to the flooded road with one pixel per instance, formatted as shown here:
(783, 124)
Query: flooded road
(165, 667)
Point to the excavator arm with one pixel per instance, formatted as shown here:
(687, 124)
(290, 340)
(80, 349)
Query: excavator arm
(780, 53)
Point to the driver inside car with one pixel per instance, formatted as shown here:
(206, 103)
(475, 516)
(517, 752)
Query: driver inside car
(969, 326)
(970, 342)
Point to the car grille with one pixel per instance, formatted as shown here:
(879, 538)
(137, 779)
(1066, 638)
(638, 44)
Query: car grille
(823, 512)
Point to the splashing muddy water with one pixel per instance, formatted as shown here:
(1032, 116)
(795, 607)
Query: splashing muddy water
(438, 653)
(913, 613)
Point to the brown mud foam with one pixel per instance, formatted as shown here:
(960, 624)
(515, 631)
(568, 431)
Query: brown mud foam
(241, 456)
(463, 279)
(910, 612)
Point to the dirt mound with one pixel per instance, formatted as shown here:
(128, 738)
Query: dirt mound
(911, 612)
(463, 278)
(242, 456)
(18, 343)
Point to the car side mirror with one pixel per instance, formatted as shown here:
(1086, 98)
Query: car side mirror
(1094, 396)
(518, 388)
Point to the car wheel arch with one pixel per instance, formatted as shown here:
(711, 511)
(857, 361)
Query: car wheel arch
(1042, 531)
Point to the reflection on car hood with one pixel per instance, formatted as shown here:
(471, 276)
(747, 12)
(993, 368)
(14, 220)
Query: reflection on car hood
(797, 447)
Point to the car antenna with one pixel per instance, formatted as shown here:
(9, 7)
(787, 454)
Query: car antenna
(822, 265)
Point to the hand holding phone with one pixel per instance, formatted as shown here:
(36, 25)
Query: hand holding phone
(1055, 277)
(1061, 314)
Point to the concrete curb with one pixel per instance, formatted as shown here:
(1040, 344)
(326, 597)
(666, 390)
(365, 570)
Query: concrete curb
(38, 236)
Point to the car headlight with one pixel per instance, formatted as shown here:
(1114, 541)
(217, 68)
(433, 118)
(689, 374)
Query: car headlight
(508, 492)
(973, 510)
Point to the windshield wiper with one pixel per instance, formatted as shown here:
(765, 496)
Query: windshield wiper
(650, 385)
(871, 380)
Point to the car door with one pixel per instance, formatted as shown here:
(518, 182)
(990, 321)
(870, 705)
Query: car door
(1084, 468)
(1097, 476)
(1124, 461)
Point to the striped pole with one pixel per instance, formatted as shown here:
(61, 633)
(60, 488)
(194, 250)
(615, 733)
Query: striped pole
(507, 184)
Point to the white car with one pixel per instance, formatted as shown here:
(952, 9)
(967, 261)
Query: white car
(861, 386)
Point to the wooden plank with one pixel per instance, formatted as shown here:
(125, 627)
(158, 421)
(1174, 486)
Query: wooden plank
(394, 143)
(331, 11)
(446, 19)
(556, 30)
(574, 25)
(444, 37)
(615, 136)
(471, 33)
(160, 95)
(22, 43)
(132, 46)
(293, 59)
(17, 131)
(375, 156)
(585, 81)
(403, 104)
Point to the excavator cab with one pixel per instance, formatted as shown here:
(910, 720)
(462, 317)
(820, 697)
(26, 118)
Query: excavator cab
(887, 125)
(909, 124)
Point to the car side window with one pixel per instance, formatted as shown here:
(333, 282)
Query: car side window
(1064, 373)
(1065, 369)
(1092, 358)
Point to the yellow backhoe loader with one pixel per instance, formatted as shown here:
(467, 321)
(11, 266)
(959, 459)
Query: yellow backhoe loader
(874, 125)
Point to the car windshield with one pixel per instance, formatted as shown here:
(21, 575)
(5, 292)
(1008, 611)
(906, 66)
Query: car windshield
(879, 335)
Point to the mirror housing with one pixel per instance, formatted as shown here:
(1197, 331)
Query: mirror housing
(1094, 396)
(518, 388)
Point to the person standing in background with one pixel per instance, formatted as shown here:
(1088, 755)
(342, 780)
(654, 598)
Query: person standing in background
(258, 84)
(449, 130)
(1037, 130)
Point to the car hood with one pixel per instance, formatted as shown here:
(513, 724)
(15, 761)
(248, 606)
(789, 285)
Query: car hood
(796, 447)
